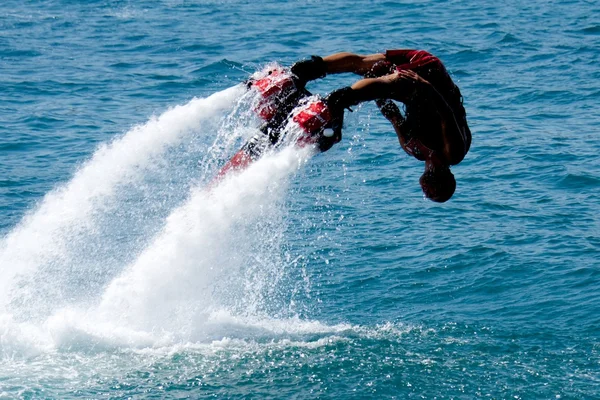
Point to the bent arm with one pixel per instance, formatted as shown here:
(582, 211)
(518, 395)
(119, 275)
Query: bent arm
(392, 113)
(377, 88)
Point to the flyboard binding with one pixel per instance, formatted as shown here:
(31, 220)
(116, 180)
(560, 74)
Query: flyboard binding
(282, 100)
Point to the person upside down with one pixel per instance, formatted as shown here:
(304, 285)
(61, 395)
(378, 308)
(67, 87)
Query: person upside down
(434, 126)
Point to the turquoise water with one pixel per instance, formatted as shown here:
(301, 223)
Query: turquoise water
(324, 276)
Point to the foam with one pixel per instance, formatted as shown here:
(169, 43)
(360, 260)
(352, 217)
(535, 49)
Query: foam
(208, 240)
(212, 276)
(186, 286)
(44, 235)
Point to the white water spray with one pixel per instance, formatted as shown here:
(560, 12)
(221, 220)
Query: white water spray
(198, 264)
(217, 256)
(45, 237)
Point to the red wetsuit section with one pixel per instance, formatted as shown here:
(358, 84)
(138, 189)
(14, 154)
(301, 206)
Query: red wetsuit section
(270, 87)
(411, 59)
(426, 65)
(239, 161)
(311, 119)
(280, 102)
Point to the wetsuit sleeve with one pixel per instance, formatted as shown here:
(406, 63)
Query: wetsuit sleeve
(412, 59)
(399, 56)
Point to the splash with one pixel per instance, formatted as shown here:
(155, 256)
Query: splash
(50, 236)
(201, 260)
(215, 255)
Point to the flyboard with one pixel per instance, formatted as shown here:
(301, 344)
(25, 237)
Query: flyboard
(283, 104)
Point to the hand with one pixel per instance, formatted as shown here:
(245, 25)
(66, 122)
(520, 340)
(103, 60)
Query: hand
(380, 68)
(308, 70)
(412, 76)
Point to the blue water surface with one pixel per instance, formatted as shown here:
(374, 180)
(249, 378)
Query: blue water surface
(381, 293)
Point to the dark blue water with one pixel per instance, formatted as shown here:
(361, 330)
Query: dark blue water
(307, 277)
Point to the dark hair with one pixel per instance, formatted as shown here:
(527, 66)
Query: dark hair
(438, 184)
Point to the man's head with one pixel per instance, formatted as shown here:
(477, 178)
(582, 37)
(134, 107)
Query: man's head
(438, 183)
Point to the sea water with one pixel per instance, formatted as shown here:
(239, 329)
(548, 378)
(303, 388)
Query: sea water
(126, 272)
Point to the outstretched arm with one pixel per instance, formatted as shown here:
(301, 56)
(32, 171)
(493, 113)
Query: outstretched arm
(348, 62)
(317, 67)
